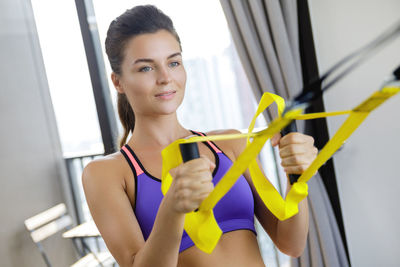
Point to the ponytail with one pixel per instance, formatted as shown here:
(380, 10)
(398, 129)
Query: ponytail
(126, 116)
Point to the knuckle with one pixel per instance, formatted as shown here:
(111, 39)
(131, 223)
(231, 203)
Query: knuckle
(208, 178)
(291, 137)
(303, 167)
(210, 187)
(186, 206)
(200, 198)
(206, 175)
(287, 162)
(296, 160)
(180, 184)
(197, 164)
(311, 140)
(288, 170)
(283, 152)
(175, 172)
(295, 170)
(184, 194)
(203, 161)
(179, 195)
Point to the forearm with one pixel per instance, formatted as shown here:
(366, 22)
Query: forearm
(292, 233)
(162, 246)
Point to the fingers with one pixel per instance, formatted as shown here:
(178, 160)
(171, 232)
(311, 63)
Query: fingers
(297, 160)
(211, 164)
(299, 169)
(195, 181)
(199, 164)
(202, 192)
(297, 152)
(193, 191)
(188, 196)
(192, 184)
(275, 139)
(295, 138)
(293, 149)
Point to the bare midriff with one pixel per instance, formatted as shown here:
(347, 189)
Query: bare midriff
(235, 249)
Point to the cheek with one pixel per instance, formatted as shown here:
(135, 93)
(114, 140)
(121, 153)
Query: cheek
(136, 89)
(138, 85)
(181, 77)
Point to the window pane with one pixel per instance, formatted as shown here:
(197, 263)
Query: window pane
(68, 76)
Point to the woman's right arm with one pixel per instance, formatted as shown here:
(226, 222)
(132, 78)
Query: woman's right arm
(112, 212)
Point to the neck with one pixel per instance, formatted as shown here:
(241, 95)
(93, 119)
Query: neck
(156, 132)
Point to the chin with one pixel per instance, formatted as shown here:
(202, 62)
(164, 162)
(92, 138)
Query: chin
(168, 111)
(167, 108)
(171, 107)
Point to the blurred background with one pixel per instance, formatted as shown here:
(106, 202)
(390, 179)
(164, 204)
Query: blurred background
(58, 112)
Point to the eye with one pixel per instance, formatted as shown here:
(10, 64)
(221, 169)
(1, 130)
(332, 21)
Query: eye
(174, 64)
(145, 69)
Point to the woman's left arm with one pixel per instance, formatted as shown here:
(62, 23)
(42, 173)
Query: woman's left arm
(297, 152)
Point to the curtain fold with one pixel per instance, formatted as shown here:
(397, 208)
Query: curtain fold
(266, 37)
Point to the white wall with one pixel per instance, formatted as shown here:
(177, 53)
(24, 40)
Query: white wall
(32, 170)
(367, 168)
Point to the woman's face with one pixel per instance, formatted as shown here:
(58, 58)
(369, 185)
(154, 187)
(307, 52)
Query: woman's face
(153, 77)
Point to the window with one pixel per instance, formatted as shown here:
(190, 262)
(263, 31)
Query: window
(68, 76)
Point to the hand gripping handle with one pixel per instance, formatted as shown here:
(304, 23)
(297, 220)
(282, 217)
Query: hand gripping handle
(189, 151)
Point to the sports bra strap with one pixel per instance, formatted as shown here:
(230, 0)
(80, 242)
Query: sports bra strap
(213, 146)
(135, 164)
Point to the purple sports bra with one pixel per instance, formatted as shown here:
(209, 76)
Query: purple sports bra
(233, 212)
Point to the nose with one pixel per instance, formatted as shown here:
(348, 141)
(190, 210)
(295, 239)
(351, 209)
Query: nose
(164, 76)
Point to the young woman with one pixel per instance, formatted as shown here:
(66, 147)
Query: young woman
(140, 226)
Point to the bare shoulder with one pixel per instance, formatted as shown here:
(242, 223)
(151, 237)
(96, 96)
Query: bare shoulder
(107, 169)
(234, 146)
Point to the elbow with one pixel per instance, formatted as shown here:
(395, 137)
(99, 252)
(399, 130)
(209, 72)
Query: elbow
(293, 251)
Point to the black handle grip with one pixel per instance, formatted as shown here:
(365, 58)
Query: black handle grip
(189, 151)
(289, 129)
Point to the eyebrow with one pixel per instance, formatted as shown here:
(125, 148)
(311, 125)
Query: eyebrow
(151, 60)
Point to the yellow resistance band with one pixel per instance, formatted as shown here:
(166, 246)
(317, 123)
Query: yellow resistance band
(201, 226)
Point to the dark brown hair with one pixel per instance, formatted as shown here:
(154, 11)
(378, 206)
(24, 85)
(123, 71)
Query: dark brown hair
(133, 22)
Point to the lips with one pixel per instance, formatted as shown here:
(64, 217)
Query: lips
(167, 93)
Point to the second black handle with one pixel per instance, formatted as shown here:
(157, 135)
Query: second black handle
(289, 129)
(189, 151)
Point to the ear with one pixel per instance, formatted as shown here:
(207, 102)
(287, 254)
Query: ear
(116, 79)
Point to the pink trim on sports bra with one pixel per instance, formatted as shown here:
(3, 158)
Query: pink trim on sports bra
(138, 170)
(210, 143)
